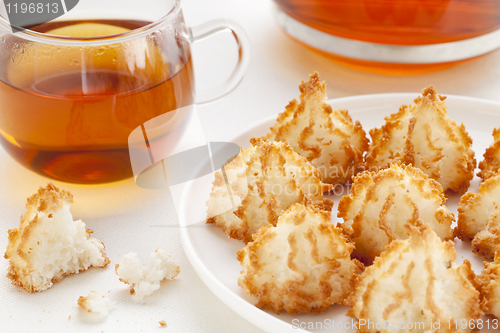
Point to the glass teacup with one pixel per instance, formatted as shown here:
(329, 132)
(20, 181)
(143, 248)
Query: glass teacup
(73, 89)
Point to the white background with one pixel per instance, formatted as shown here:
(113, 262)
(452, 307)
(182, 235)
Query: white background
(134, 219)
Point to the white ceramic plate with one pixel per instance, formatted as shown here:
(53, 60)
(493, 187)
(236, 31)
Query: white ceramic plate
(213, 255)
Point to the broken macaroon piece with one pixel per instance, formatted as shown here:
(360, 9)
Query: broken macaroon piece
(263, 180)
(416, 281)
(49, 244)
(424, 136)
(301, 265)
(145, 279)
(380, 204)
(327, 138)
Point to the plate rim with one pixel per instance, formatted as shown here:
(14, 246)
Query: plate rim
(246, 310)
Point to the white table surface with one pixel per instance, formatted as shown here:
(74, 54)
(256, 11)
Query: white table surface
(135, 218)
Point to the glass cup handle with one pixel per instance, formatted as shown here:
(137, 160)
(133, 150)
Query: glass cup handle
(210, 28)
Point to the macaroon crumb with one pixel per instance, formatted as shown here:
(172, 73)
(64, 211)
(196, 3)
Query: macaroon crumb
(145, 279)
(96, 302)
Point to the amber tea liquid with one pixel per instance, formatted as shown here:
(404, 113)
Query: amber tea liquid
(66, 112)
(400, 22)
(397, 22)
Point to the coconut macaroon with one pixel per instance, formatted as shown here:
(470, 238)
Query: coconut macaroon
(263, 180)
(145, 279)
(479, 218)
(489, 281)
(491, 163)
(381, 204)
(327, 138)
(415, 282)
(303, 265)
(423, 135)
(49, 244)
(96, 302)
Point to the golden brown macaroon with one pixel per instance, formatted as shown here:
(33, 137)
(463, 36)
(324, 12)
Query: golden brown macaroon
(48, 244)
(479, 218)
(302, 265)
(491, 163)
(257, 185)
(327, 138)
(424, 136)
(489, 281)
(381, 204)
(414, 281)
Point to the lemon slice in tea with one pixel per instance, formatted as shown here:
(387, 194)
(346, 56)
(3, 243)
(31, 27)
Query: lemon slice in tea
(87, 30)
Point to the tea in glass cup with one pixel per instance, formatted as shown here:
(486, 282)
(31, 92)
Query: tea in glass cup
(73, 89)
